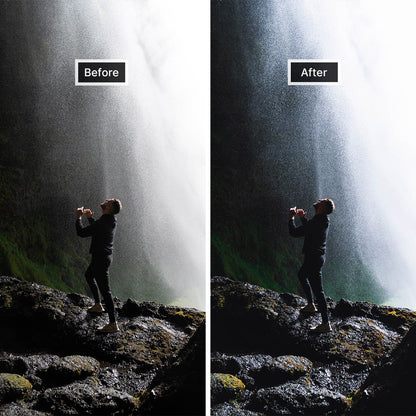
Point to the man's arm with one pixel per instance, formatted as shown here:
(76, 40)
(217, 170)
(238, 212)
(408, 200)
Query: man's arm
(293, 230)
(87, 231)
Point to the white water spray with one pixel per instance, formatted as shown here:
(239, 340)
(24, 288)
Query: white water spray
(152, 135)
(375, 115)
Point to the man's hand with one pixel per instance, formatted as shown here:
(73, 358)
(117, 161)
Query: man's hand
(80, 211)
(301, 213)
(292, 213)
(88, 213)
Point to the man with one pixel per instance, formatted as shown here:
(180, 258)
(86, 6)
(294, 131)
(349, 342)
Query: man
(102, 232)
(315, 232)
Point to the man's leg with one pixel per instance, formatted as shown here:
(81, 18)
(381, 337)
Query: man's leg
(303, 278)
(102, 276)
(315, 278)
(89, 274)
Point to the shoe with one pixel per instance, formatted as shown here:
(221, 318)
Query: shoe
(309, 308)
(109, 328)
(322, 328)
(97, 308)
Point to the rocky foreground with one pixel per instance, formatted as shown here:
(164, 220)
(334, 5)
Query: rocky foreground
(265, 362)
(53, 362)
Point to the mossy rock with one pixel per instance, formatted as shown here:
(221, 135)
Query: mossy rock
(12, 387)
(281, 369)
(86, 398)
(298, 397)
(72, 367)
(225, 387)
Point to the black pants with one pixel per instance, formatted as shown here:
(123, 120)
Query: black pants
(310, 276)
(98, 277)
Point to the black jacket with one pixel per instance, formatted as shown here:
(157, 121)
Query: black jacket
(102, 232)
(315, 232)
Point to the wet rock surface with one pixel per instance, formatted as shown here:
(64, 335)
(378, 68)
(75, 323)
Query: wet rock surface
(51, 343)
(225, 387)
(262, 338)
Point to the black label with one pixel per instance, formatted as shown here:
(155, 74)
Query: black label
(101, 72)
(313, 72)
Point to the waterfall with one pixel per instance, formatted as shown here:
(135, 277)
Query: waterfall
(145, 143)
(360, 133)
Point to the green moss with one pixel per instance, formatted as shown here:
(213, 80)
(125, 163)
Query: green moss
(228, 381)
(255, 264)
(398, 317)
(13, 386)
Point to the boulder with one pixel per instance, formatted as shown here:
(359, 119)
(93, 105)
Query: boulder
(262, 370)
(180, 388)
(51, 341)
(261, 337)
(225, 387)
(389, 388)
(226, 409)
(299, 398)
(13, 387)
(85, 398)
(71, 368)
(20, 409)
(247, 318)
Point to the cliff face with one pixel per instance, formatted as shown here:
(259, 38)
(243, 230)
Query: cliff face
(53, 358)
(266, 362)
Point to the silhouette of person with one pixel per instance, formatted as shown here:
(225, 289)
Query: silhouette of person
(315, 232)
(102, 236)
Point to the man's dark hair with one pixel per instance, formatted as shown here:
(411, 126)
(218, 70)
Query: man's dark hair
(329, 205)
(116, 203)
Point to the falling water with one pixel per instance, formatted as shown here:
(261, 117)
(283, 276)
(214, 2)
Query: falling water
(144, 143)
(360, 133)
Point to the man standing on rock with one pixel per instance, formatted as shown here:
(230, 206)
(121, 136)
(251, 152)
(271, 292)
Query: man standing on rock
(315, 232)
(102, 232)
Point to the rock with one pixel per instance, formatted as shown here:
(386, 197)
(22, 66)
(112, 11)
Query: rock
(257, 332)
(280, 369)
(50, 340)
(260, 370)
(12, 387)
(247, 318)
(71, 368)
(180, 389)
(225, 387)
(389, 388)
(85, 398)
(49, 317)
(298, 398)
(14, 409)
(11, 364)
(227, 409)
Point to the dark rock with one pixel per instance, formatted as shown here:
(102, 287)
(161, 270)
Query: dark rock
(225, 387)
(389, 389)
(85, 398)
(247, 318)
(15, 409)
(133, 308)
(180, 389)
(252, 327)
(13, 386)
(12, 364)
(298, 398)
(79, 300)
(69, 368)
(223, 363)
(280, 369)
(260, 370)
(52, 341)
(227, 409)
